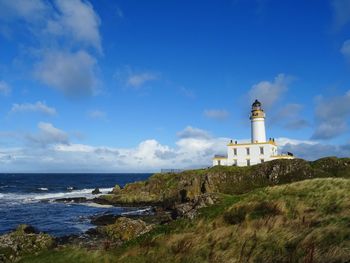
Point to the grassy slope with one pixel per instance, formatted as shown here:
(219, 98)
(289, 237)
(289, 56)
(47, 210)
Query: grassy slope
(166, 188)
(306, 221)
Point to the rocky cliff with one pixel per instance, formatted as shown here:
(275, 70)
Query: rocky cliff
(165, 189)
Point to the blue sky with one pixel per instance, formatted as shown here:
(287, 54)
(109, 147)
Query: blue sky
(142, 85)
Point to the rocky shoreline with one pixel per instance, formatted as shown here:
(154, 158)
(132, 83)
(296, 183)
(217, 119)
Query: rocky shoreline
(164, 198)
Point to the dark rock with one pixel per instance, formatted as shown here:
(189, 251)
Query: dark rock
(72, 200)
(104, 220)
(96, 191)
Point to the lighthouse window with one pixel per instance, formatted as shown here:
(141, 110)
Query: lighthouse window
(234, 151)
(248, 151)
(261, 150)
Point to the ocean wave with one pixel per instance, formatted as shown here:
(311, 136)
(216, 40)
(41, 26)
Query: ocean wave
(43, 189)
(35, 197)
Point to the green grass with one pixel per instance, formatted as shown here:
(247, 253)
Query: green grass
(307, 221)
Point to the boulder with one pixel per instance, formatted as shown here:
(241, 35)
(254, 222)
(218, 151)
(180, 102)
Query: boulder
(125, 229)
(96, 191)
(24, 240)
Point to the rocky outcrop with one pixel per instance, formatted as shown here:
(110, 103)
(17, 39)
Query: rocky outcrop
(25, 240)
(190, 209)
(125, 229)
(96, 191)
(167, 189)
(116, 189)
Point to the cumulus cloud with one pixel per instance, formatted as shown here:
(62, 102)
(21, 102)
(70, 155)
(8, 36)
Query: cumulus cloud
(341, 12)
(23, 9)
(39, 107)
(217, 114)
(97, 115)
(332, 115)
(48, 134)
(68, 33)
(71, 73)
(345, 49)
(194, 148)
(129, 78)
(270, 92)
(5, 89)
(191, 132)
(76, 20)
(315, 151)
(288, 116)
(58, 153)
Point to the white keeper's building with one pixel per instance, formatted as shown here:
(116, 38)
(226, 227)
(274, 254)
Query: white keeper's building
(259, 150)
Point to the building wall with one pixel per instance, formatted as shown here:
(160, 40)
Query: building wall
(220, 161)
(258, 130)
(255, 156)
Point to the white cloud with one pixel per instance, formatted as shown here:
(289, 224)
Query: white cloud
(270, 92)
(97, 115)
(48, 134)
(289, 117)
(191, 132)
(71, 73)
(137, 80)
(39, 106)
(5, 89)
(345, 49)
(61, 27)
(341, 12)
(217, 114)
(193, 150)
(23, 9)
(313, 151)
(129, 78)
(332, 114)
(282, 141)
(76, 20)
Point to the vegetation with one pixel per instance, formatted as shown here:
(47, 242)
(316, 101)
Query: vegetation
(306, 221)
(281, 211)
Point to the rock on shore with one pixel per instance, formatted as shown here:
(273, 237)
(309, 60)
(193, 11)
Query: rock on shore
(24, 240)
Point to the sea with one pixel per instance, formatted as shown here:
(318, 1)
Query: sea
(30, 199)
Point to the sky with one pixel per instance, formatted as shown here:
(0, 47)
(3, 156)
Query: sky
(137, 86)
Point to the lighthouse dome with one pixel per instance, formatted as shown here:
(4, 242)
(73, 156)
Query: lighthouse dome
(256, 103)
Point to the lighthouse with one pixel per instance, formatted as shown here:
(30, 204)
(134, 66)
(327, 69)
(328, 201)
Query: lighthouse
(255, 151)
(257, 118)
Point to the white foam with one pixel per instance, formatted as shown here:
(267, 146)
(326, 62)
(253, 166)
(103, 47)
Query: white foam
(43, 189)
(35, 197)
(97, 205)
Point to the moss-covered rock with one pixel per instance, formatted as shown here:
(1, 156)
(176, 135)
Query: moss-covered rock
(167, 189)
(125, 229)
(24, 240)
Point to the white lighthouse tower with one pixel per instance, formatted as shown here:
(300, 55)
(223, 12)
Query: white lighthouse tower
(258, 150)
(257, 118)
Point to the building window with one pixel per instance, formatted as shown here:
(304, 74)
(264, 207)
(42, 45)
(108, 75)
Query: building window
(219, 162)
(248, 151)
(261, 150)
(234, 162)
(248, 162)
(262, 160)
(234, 151)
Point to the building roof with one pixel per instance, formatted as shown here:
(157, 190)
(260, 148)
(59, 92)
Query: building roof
(256, 103)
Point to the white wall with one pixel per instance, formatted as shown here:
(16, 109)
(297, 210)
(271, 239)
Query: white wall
(255, 156)
(258, 130)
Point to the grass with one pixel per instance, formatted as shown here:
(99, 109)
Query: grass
(306, 221)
